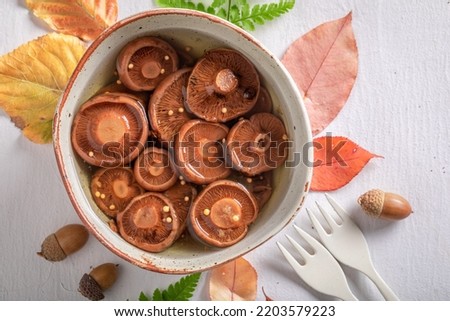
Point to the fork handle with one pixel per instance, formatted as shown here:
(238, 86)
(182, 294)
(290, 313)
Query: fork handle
(385, 290)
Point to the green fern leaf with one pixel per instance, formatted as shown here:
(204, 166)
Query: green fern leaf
(143, 297)
(182, 290)
(259, 14)
(218, 3)
(238, 12)
(157, 295)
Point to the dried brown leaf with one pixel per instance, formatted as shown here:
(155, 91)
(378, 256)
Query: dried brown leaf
(233, 281)
(85, 19)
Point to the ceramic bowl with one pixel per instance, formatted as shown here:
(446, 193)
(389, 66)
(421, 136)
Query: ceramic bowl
(201, 32)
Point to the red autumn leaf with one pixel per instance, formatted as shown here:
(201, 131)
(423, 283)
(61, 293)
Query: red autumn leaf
(324, 64)
(337, 160)
(85, 19)
(233, 281)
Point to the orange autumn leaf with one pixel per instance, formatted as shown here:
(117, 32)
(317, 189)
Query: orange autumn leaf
(233, 281)
(85, 19)
(324, 64)
(337, 160)
(32, 79)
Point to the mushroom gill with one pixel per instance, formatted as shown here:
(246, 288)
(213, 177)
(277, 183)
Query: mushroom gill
(166, 108)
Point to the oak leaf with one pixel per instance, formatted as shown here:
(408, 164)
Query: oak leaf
(337, 160)
(233, 281)
(32, 79)
(324, 64)
(85, 19)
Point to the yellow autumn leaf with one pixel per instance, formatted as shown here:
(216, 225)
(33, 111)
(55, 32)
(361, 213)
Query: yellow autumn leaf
(32, 79)
(85, 19)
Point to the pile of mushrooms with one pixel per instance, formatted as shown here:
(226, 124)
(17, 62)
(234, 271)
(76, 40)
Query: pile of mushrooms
(180, 146)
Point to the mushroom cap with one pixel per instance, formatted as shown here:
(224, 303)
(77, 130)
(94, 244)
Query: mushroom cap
(153, 170)
(182, 196)
(260, 185)
(258, 144)
(149, 222)
(223, 85)
(110, 130)
(144, 62)
(166, 108)
(263, 104)
(221, 213)
(119, 88)
(199, 151)
(113, 189)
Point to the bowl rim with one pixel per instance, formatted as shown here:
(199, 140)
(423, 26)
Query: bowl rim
(62, 102)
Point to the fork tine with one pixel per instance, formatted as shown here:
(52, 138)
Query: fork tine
(316, 224)
(327, 217)
(308, 238)
(291, 260)
(299, 248)
(337, 208)
(320, 271)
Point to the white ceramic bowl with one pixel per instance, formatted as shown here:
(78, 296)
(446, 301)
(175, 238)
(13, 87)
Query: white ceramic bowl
(201, 32)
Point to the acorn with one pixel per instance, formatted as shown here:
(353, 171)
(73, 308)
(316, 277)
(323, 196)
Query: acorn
(65, 241)
(98, 280)
(380, 204)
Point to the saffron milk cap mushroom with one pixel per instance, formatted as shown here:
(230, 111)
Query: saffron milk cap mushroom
(153, 170)
(149, 222)
(257, 145)
(199, 151)
(221, 213)
(144, 62)
(113, 189)
(223, 85)
(110, 129)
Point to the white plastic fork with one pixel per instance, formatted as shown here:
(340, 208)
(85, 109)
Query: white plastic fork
(320, 271)
(348, 245)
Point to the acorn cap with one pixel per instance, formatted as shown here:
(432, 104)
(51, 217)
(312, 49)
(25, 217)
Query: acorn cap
(51, 250)
(65, 241)
(372, 202)
(90, 289)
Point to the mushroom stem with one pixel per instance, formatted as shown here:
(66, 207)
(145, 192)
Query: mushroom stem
(156, 168)
(120, 188)
(151, 69)
(262, 142)
(146, 217)
(226, 213)
(225, 81)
